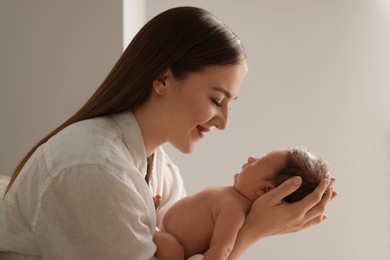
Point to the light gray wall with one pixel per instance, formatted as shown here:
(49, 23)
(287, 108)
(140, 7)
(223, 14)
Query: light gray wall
(53, 55)
(319, 76)
(134, 17)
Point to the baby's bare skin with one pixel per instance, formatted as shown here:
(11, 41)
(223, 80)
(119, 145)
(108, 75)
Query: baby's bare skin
(208, 222)
(212, 217)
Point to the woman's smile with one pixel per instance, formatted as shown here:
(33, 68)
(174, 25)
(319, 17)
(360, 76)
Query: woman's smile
(203, 130)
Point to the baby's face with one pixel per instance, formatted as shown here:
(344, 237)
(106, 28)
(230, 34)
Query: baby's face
(257, 173)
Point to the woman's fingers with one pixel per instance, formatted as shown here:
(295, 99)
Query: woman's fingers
(269, 214)
(314, 221)
(316, 214)
(276, 195)
(331, 184)
(317, 196)
(334, 194)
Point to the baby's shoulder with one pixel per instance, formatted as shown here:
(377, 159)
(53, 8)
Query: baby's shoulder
(214, 192)
(222, 196)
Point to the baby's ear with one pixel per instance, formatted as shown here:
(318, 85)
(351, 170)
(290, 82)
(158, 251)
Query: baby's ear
(264, 189)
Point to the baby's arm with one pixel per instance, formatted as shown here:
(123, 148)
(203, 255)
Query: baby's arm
(168, 247)
(227, 224)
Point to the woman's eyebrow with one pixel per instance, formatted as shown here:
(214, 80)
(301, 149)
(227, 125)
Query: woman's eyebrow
(224, 91)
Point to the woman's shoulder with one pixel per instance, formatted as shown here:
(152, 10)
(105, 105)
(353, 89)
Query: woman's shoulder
(84, 142)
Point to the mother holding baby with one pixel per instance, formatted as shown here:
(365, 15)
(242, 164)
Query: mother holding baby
(86, 190)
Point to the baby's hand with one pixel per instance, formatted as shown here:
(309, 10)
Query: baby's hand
(157, 201)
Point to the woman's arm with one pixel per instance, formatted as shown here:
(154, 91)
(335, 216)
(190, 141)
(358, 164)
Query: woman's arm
(270, 215)
(87, 212)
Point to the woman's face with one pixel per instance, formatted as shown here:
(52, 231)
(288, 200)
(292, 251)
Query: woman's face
(200, 102)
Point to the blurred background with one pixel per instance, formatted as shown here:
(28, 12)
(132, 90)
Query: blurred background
(319, 77)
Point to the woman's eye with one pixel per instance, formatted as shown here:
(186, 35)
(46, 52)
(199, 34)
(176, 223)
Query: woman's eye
(216, 102)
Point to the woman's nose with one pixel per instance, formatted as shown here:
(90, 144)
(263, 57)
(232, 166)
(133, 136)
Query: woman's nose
(221, 119)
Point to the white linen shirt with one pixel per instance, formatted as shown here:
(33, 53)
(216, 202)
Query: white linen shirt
(83, 195)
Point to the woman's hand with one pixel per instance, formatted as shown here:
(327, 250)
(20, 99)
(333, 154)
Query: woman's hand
(270, 215)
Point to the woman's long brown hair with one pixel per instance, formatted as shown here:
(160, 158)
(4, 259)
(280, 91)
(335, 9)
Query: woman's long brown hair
(185, 39)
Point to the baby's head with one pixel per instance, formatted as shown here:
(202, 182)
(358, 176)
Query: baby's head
(301, 163)
(260, 175)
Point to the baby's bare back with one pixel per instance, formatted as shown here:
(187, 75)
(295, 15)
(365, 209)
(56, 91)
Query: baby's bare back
(192, 219)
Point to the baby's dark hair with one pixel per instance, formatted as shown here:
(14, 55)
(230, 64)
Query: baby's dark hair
(302, 163)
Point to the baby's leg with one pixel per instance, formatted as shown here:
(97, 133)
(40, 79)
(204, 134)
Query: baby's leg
(168, 247)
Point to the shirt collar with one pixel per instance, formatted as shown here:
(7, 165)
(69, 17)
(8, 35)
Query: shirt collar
(133, 139)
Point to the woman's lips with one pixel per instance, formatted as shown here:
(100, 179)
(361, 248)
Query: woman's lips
(202, 130)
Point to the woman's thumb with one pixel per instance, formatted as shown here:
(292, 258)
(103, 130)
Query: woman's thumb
(283, 190)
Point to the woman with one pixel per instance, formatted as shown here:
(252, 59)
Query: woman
(86, 190)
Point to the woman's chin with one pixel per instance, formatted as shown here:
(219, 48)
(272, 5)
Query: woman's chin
(186, 149)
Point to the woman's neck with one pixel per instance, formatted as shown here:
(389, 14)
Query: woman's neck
(151, 128)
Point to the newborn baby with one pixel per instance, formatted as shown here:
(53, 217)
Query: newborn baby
(208, 222)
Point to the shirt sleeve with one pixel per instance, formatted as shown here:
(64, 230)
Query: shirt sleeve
(88, 212)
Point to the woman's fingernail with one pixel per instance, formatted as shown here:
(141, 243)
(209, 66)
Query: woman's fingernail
(296, 180)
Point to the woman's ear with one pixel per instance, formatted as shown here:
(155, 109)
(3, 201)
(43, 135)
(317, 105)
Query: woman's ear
(160, 83)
